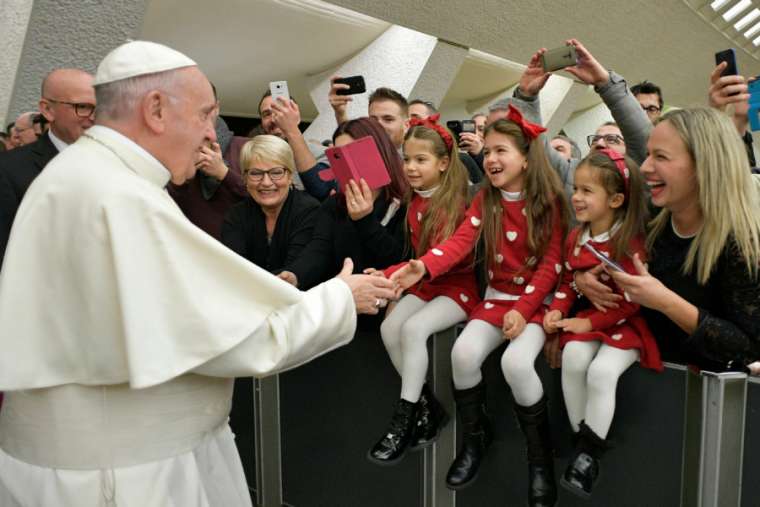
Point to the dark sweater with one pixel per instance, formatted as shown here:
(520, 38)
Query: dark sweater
(728, 332)
(368, 243)
(244, 231)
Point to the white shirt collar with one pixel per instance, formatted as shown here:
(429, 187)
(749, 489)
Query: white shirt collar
(599, 238)
(426, 193)
(511, 196)
(153, 170)
(59, 144)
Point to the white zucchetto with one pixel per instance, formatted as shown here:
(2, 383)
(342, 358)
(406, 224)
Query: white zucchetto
(138, 58)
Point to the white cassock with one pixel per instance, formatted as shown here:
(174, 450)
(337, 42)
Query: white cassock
(122, 327)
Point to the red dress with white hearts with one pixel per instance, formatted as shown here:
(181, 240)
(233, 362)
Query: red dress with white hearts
(458, 284)
(517, 280)
(621, 327)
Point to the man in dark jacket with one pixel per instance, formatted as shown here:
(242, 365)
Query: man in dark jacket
(68, 104)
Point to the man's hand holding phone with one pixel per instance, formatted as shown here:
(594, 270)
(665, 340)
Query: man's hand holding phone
(471, 143)
(338, 101)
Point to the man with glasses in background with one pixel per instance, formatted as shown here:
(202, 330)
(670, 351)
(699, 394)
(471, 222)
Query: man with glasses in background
(23, 130)
(649, 96)
(68, 104)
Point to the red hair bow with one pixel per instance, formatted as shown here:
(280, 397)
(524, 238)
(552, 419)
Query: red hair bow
(431, 122)
(619, 160)
(531, 130)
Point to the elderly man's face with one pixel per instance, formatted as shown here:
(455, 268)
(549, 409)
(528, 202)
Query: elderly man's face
(190, 124)
(24, 130)
(562, 147)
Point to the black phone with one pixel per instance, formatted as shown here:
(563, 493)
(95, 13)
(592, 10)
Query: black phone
(728, 56)
(455, 126)
(356, 85)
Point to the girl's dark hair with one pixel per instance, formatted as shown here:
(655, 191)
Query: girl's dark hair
(544, 197)
(363, 127)
(633, 214)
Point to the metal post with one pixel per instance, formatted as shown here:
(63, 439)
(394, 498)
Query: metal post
(714, 439)
(438, 457)
(266, 399)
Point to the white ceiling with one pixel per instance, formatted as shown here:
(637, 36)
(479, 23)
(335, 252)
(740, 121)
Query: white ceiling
(244, 44)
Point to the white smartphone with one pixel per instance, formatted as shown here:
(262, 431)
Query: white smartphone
(279, 89)
(614, 265)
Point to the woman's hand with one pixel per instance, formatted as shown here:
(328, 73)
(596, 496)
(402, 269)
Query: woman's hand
(575, 326)
(359, 201)
(643, 288)
(410, 274)
(514, 324)
(287, 116)
(550, 320)
(588, 69)
(600, 295)
(533, 77)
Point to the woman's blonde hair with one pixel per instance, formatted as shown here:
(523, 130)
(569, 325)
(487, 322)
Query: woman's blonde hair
(266, 148)
(447, 205)
(728, 197)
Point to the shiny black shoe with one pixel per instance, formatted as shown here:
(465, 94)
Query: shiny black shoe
(581, 474)
(476, 437)
(390, 449)
(534, 422)
(583, 471)
(431, 419)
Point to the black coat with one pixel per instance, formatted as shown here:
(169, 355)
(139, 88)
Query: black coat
(18, 168)
(244, 231)
(368, 243)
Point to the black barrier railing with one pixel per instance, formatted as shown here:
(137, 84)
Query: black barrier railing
(315, 424)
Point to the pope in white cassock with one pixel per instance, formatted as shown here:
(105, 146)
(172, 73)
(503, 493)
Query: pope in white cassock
(123, 324)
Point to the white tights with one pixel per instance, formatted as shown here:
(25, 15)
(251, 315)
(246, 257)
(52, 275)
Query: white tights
(405, 332)
(590, 372)
(479, 339)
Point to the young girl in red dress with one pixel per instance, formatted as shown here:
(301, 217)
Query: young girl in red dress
(438, 203)
(610, 205)
(521, 218)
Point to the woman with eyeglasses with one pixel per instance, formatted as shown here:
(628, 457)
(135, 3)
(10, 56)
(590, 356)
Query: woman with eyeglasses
(273, 226)
(364, 225)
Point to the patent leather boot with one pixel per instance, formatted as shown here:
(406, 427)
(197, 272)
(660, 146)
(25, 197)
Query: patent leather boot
(534, 422)
(476, 437)
(390, 449)
(583, 471)
(431, 419)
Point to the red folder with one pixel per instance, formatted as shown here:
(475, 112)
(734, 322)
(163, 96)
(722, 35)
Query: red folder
(359, 159)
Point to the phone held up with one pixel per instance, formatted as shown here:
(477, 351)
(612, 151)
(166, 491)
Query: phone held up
(559, 58)
(279, 89)
(728, 56)
(459, 126)
(355, 85)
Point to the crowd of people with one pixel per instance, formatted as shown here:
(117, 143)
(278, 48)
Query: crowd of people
(645, 250)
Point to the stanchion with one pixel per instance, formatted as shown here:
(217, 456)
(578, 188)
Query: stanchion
(439, 456)
(266, 399)
(713, 439)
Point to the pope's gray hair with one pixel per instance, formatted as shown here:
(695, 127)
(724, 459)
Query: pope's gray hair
(119, 99)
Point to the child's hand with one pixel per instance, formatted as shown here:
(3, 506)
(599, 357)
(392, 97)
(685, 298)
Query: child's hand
(514, 324)
(410, 274)
(575, 326)
(374, 272)
(550, 321)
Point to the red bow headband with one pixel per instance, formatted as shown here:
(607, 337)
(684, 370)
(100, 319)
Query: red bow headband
(619, 160)
(431, 122)
(530, 130)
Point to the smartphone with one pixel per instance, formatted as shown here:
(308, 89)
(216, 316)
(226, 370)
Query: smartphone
(355, 83)
(468, 126)
(279, 89)
(728, 56)
(455, 126)
(614, 265)
(559, 58)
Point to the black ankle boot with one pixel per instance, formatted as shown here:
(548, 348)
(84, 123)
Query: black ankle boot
(431, 419)
(392, 446)
(534, 422)
(583, 470)
(476, 436)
